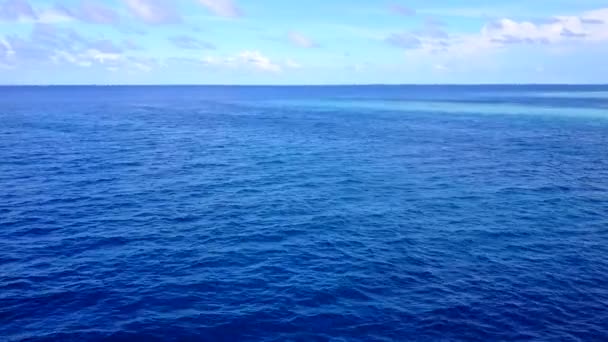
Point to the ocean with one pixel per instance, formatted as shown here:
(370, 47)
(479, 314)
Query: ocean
(346, 213)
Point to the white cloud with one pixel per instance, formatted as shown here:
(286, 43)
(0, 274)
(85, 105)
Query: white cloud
(72, 58)
(154, 11)
(142, 66)
(86, 58)
(588, 26)
(491, 48)
(224, 8)
(56, 44)
(53, 15)
(245, 59)
(209, 60)
(597, 21)
(290, 63)
(259, 61)
(109, 60)
(6, 50)
(440, 67)
(6, 54)
(102, 56)
(301, 40)
(507, 31)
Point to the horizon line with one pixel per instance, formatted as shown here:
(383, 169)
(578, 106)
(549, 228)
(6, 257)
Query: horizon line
(296, 85)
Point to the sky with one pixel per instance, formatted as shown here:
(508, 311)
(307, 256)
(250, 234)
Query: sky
(303, 42)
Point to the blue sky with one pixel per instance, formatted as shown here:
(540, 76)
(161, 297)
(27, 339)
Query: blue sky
(302, 42)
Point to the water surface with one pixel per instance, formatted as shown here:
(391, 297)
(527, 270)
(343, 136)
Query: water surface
(304, 213)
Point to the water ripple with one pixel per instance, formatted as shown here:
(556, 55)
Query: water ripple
(189, 214)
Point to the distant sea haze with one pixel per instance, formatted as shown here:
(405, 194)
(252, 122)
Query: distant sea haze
(339, 213)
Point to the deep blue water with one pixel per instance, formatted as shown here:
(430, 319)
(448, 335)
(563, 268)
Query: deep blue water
(304, 213)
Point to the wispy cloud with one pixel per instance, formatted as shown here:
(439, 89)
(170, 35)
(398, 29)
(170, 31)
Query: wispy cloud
(259, 61)
(249, 59)
(190, 43)
(23, 11)
(301, 40)
(290, 63)
(432, 29)
(466, 12)
(569, 34)
(91, 12)
(154, 12)
(57, 45)
(592, 21)
(401, 10)
(6, 53)
(15, 10)
(404, 40)
(40, 34)
(224, 8)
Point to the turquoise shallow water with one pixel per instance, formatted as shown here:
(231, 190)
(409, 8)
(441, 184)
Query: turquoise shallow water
(304, 213)
(440, 107)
